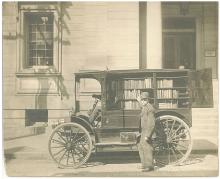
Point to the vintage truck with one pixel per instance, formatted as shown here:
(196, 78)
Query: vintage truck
(113, 119)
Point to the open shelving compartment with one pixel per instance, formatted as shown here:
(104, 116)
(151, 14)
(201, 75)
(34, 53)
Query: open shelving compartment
(169, 89)
(172, 90)
(130, 87)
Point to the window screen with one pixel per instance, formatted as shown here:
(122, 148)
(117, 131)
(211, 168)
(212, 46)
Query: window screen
(39, 34)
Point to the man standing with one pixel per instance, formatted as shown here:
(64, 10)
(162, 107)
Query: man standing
(147, 123)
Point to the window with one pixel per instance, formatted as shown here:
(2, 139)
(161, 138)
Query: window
(178, 23)
(179, 43)
(39, 39)
(38, 48)
(35, 115)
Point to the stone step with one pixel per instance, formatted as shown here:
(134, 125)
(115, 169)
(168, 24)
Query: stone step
(205, 127)
(204, 133)
(205, 114)
(205, 124)
(209, 123)
(204, 118)
(203, 110)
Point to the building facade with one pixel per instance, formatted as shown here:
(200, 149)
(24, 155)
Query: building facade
(45, 43)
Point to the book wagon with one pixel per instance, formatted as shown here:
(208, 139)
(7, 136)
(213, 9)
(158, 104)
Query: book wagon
(113, 119)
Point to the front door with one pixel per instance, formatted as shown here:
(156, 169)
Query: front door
(179, 42)
(179, 50)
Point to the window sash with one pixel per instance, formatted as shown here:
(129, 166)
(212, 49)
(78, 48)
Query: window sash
(40, 39)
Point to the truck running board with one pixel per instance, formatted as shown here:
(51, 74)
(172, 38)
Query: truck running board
(113, 144)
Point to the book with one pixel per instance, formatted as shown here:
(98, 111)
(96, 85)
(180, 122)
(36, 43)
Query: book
(170, 93)
(137, 83)
(165, 83)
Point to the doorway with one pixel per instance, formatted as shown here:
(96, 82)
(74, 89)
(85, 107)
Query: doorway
(179, 43)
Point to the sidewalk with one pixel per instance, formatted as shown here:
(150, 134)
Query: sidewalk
(36, 147)
(30, 147)
(24, 154)
(199, 166)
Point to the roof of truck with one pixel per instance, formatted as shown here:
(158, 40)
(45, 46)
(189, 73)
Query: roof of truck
(130, 71)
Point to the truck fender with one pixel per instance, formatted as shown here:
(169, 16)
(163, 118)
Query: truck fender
(82, 120)
(173, 113)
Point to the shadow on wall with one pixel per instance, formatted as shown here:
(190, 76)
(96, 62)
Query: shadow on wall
(44, 87)
(61, 25)
(62, 13)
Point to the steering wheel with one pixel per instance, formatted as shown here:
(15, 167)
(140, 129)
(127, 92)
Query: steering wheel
(96, 117)
(97, 96)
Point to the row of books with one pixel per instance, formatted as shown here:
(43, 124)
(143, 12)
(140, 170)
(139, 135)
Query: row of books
(138, 84)
(131, 94)
(167, 94)
(131, 105)
(183, 94)
(164, 83)
(170, 104)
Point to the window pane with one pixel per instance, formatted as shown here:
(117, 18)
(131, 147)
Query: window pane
(41, 46)
(49, 28)
(178, 23)
(49, 53)
(40, 33)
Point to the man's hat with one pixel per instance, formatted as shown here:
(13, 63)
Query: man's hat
(145, 95)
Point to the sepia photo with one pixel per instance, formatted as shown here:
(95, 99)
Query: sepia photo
(110, 89)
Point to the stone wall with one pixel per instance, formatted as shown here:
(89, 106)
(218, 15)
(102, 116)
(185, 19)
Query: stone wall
(96, 36)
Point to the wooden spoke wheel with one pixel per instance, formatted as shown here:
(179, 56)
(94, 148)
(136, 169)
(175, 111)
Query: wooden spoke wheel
(70, 145)
(173, 142)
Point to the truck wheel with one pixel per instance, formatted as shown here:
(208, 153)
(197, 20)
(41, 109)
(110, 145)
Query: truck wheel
(173, 142)
(70, 145)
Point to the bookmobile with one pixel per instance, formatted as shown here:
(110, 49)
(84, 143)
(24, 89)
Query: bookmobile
(115, 122)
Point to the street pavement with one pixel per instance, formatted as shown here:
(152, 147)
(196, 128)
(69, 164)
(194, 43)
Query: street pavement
(29, 157)
(196, 165)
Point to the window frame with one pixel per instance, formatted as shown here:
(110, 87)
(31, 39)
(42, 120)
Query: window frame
(28, 16)
(166, 32)
(22, 67)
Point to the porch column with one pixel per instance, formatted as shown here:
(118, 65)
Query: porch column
(154, 36)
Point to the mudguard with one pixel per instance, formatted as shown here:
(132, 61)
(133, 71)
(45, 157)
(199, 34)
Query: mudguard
(174, 113)
(84, 121)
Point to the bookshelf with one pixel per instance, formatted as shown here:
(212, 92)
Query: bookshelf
(168, 88)
(172, 91)
(166, 91)
(128, 88)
